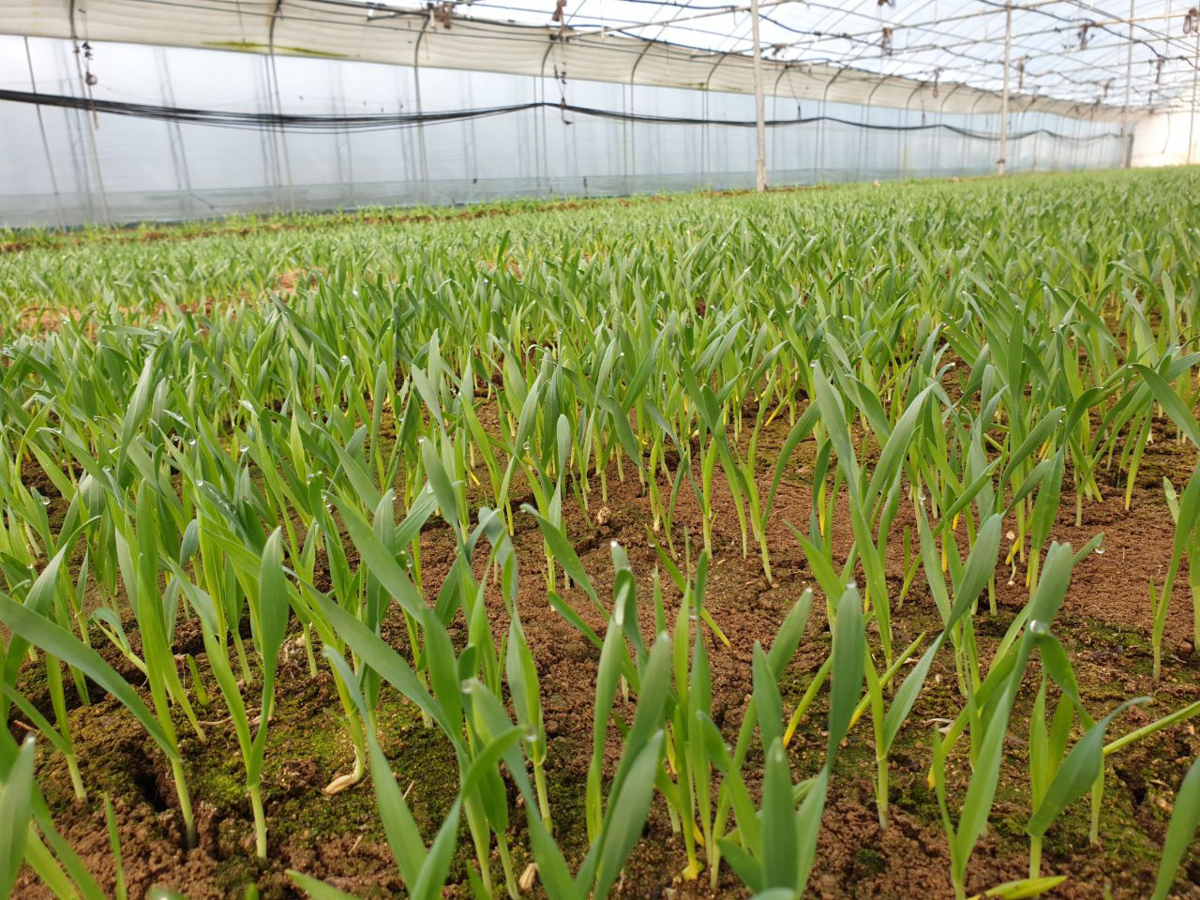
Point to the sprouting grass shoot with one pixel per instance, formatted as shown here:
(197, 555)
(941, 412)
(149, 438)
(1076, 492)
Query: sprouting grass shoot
(831, 543)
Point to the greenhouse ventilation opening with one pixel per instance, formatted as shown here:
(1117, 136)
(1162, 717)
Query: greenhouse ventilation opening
(136, 110)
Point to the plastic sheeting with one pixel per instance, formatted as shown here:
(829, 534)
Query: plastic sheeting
(1170, 137)
(90, 168)
(348, 30)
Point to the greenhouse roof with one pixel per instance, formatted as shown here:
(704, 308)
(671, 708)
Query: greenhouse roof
(1085, 60)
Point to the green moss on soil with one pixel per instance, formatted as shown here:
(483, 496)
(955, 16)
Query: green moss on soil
(870, 860)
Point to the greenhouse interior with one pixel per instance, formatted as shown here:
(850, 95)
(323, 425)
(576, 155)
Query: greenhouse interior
(137, 110)
(587, 449)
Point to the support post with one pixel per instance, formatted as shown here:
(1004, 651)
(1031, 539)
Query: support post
(62, 219)
(424, 158)
(1036, 136)
(937, 147)
(760, 129)
(183, 178)
(965, 139)
(273, 79)
(902, 135)
(775, 154)
(1192, 119)
(1125, 148)
(819, 165)
(280, 142)
(864, 125)
(1075, 142)
(631, 124)
(1004, 99)
(93, 121)
(345, 161)
(539, 94)
(91, 136)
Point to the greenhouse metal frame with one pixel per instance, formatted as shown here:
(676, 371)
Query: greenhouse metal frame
(132, 110)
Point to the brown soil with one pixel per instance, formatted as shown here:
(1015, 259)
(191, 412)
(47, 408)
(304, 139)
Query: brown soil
(42, 320)
(1104, 625)
(288, 283)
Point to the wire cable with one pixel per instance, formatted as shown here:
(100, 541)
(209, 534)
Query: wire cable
(366, 122)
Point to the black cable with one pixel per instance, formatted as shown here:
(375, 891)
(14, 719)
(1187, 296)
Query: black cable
(324, 124)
